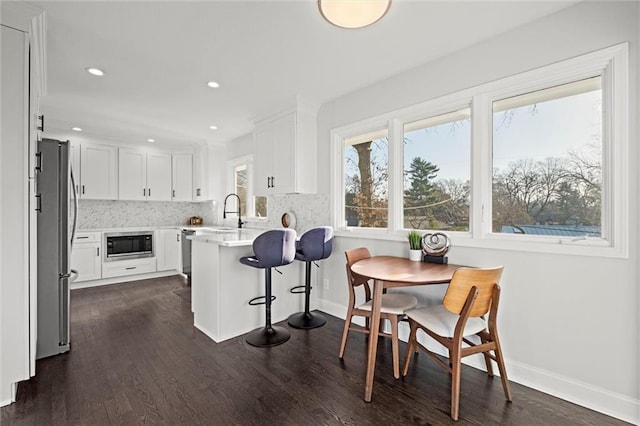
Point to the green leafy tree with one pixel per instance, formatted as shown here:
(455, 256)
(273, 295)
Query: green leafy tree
(422, 195)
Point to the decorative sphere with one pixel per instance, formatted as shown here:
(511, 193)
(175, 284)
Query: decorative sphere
(435, 244)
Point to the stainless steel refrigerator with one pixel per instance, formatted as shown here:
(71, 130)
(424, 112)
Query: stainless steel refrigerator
(57, 210)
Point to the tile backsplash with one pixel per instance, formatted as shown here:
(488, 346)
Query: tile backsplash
(309, 210)
(94, 214)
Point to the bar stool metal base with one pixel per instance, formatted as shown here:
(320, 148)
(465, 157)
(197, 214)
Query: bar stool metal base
(306, 320)
(265, 337)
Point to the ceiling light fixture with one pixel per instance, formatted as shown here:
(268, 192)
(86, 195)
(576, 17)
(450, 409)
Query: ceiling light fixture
(151, 140)
(353, 13)
(213, 127)
(76, 129)
(95, 71)
(213, 84)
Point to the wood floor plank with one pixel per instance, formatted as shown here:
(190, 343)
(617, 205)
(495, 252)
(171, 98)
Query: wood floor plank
(136, 358)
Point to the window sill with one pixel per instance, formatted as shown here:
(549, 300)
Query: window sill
(590, 247)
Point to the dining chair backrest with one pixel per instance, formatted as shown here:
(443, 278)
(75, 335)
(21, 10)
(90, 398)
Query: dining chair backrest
(484, 279)
(353, 256)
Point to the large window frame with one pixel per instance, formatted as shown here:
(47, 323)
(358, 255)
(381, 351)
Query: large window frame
(611, 63)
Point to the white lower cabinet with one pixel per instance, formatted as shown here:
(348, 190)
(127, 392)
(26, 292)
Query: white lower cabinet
(85, 256)
(120, 268)
(169, 249)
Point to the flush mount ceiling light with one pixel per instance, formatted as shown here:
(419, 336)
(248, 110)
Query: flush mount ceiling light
(213, 127)
(151, 140)
(95, 71)
(213, 84)
(77, 129)
(353, 13)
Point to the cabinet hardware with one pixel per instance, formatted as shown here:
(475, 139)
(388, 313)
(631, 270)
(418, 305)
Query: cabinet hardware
(81, 238)
(130, 267)
(197, 192)
(273, 182)
(41, 126)
(144, 192)
(83, 189)
(98, 251)
(39, 203)
(149, 192)
(38, 167)
(173, 193)
(178, 237)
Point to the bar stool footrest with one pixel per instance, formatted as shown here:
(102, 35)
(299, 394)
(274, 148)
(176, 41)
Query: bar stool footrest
(299, 289)
(263, 300)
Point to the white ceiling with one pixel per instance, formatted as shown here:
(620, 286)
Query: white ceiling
(158, 56)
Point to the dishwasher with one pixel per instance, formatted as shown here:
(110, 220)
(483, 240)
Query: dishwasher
(186, 253)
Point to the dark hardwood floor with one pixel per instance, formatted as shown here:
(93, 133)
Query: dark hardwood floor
(136, 358)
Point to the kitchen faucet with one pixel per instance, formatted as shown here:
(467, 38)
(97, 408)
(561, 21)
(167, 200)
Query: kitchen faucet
(224, 211)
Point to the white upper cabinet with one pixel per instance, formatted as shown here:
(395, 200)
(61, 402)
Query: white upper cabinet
(182, 177)
(98, 172)
(159, 177)
(144, 175)
(132, 174)
(286, 153)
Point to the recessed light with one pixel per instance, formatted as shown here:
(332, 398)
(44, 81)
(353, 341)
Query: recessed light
(151, 140)
(213, 84)
(213, 127)
(95, 71)
(77, 129)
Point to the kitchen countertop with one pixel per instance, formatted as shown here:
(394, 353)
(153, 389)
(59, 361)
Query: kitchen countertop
(227, 237)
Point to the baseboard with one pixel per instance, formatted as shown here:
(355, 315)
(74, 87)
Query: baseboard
(123, 279)
(12, 397)
(610, 403)
(592, 397)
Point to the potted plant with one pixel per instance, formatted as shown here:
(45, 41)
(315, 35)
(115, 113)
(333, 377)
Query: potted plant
(415, 245)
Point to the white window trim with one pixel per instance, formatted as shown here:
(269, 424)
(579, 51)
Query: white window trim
(231, 170)
(612, 63)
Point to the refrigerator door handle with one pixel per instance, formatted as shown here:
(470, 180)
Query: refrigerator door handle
(75, 207)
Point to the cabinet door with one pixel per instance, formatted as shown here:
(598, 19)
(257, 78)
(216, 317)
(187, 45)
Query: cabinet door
(168, 249)
(284, 150)
(158, 176)
(263, 164)
(132, 174)
(182, 177)
(99, 172)
(85, 258)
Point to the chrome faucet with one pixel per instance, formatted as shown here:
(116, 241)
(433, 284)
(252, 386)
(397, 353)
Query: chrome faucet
(224, 211)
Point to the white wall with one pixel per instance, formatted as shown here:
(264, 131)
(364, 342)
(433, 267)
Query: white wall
(569, 324)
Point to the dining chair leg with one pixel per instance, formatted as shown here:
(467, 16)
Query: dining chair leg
(502, 369)
(455, 381)
(394, 346)
(487, 358)
(411, 346)
(345, 333)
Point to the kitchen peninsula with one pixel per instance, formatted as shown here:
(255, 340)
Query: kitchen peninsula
(221, 287)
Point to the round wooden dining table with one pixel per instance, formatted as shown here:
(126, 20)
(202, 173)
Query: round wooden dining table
(390, 272)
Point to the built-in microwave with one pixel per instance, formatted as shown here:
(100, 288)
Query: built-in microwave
(127, 245)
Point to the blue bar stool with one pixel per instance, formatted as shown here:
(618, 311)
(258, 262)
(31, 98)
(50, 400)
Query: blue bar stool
(271, 249)
(315, 244)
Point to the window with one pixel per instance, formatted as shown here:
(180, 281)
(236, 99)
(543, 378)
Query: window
(366, 195)
(547, 161)
(242, 184)
(437, 172)
(537, 162)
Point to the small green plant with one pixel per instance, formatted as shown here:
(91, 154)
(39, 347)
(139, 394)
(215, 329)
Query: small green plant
(415, 240)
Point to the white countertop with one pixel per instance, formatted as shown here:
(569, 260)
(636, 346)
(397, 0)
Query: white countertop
(227, 237)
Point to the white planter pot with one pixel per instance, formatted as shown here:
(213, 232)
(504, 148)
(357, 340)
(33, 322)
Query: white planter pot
(415, 255)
